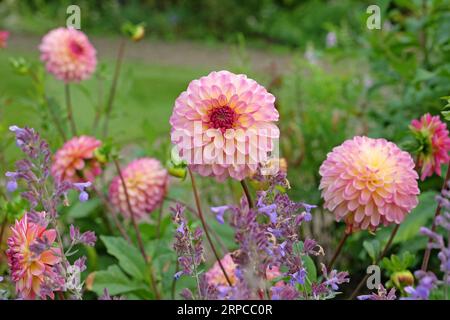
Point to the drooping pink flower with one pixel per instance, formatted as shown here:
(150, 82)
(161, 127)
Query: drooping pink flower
(146, 181)
(31, 270)
(432, 135)
(367, 182)
(4, 35)
(223, 125)
(76, 161)
(68, 54)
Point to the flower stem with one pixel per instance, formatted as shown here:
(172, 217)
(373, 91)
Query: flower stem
(381, 256)
(205, 228)
(69, 110)
(116, 221)
(214, 234)
(138, 233)
(338, 250)
(247, 193)
(426, 256)
(112, 91)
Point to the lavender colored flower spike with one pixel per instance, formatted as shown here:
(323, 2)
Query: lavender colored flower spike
(382, 294)
(270, 211)
(88, 238)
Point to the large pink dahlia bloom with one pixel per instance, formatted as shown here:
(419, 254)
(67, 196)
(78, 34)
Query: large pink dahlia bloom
(68, 54)
(432, 135)
(29, 270)
(223, 125)
(76, 161)
(146, 181)
(367, 182)
(4, 35)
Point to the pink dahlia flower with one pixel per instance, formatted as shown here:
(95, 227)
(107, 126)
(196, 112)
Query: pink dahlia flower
(4, 35)
(432, 135)
(367, 182)
(146, 181)
(223, 125)
(76, 161)
(68, 54)
(215, 276)
(31, 271)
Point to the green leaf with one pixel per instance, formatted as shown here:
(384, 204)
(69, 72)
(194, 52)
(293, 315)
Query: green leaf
(417, 218)
(115, 281)
(83, 209)
(310, 268)
(130, 259)
(372, 248)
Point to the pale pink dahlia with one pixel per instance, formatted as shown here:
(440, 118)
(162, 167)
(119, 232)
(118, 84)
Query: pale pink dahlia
(29, 270)
(367, 182)
(223, 125)
(4, 35)
(68, 54)
(146, 181)
(76, 161)
(434, 141)
(215, 276)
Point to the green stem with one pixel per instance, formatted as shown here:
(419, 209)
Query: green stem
(338, 250)
(70, 111)
(205, 228)
(247, 193)
(112, 92)
(381, 256)
(138, 233)
(427, 254)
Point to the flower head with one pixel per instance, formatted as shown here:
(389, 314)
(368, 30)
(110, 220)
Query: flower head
(434, 141)
(32, 267)
(4, 35)
(146, 181)
(76, 161)
(68, 54)
(367, 182)
(223, 125)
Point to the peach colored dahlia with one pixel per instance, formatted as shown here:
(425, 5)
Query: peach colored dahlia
(68, 54)
(367, 182)
(223, 125)
(76, 161)
(30, 271)
(432, 135)
(215, 276)
(146, 181)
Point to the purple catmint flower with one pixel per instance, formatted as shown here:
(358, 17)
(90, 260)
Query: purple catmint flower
(382, 294)
(270, 211)
(334, 278)
(427, 282)
(285, 292)
(188, 244)
(331, 39)
(88, 238)
(81, 186)
(80, 263)
(299, 276)
(107, 296)
(220, 211)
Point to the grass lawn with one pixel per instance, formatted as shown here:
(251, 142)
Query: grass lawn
(142, 108)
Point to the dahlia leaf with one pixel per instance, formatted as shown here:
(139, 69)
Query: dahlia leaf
(130, 259)
(115, 281)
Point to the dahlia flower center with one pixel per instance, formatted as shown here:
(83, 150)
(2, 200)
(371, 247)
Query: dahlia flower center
(222, 118)
(76, 48)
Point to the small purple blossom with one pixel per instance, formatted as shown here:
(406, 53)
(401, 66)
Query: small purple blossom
(427, 282)
(82, 186)
(382, 294)
(88, 238)
(220, 211)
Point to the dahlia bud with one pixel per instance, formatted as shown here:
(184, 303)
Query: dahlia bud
(402, 279)
(135, 31)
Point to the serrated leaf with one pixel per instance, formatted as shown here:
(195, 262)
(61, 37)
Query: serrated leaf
(130, 259)
(115, 281)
